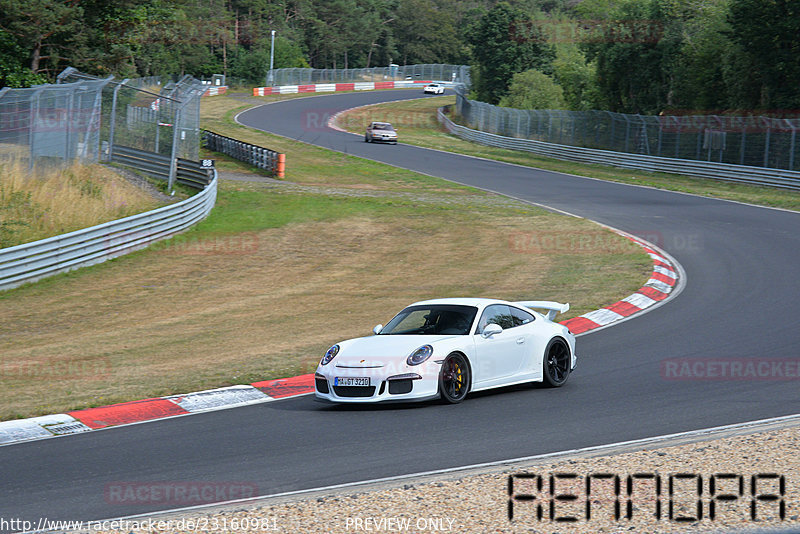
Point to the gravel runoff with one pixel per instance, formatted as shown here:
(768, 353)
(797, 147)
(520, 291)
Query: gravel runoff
(477, 501)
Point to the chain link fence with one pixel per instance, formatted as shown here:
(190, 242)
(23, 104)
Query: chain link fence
(756, 141)
(151, 114)
(52, 123)
(438, 72)
(82, 118)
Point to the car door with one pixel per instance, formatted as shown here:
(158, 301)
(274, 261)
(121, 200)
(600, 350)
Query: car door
(498, 356)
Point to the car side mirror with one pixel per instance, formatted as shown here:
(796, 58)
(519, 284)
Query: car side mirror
(491, 329)
(377, 329)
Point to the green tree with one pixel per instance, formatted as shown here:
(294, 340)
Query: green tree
(13, 73)
(426, 33)
(768, 37)
(533, 89)
(577, 77)
(637, 49)
(506, 41)
(699, 75)
(49, 29)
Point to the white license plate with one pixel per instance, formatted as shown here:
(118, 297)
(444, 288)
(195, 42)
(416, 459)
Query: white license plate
(351, 381)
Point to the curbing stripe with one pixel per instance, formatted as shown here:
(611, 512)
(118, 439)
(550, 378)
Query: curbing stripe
(579, 325)
(603, 316)
(659, 285)
(45, 426)
(287, 387)
(669, 280)
(639, 300)
(653, 293)
(666, 271)
(625, 307)
(127, 412)
(662, 280)
(215, 398)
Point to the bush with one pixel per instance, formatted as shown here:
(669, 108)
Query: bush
(533, 89)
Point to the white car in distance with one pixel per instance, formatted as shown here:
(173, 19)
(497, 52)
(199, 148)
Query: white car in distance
(434, 89)
(382, 132)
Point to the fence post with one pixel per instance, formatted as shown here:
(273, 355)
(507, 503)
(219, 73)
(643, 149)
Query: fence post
(612, 144)
(791, 144)
(113, 118)
(32, 126)
(70, 112)
(173, 163)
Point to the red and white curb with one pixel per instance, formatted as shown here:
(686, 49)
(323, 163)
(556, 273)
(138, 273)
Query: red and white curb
(663, 280)
(333, 87)
(216, 90)
(151, 409)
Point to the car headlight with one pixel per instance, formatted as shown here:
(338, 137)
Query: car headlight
(331, 354)
(420, 355)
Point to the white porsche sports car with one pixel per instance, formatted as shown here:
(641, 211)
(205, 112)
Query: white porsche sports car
(447, 348)
(434, 89)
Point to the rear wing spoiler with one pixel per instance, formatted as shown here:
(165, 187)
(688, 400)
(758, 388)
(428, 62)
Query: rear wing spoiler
(553, 308)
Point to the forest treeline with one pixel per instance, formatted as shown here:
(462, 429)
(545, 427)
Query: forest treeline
(636, 56)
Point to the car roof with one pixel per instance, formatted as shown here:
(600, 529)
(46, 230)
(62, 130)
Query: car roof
(384, 123)
(463, 301)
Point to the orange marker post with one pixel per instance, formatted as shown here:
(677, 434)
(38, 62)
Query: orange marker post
(281, 165)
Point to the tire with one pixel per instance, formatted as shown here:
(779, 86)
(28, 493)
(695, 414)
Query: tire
(366, 139)
(455, 379)
(557, 363)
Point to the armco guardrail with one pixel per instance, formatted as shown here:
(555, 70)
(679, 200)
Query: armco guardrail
(191, 173)
(705, 169)
(258, 156)
(31, 261)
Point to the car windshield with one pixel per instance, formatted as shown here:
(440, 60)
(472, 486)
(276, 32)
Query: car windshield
(434, 319)
(381, 126)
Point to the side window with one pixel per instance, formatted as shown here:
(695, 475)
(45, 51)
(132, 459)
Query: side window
(499, 314)
(521, 317)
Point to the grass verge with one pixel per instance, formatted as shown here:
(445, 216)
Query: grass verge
(280, 271)
(416, 120)
(56, 201)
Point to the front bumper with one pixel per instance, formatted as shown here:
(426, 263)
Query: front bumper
(381, 389)
(380, 139)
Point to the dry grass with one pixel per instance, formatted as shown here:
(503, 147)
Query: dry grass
(55, 201)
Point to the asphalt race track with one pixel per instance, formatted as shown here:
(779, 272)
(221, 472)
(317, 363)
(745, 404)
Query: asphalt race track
(740, 301)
